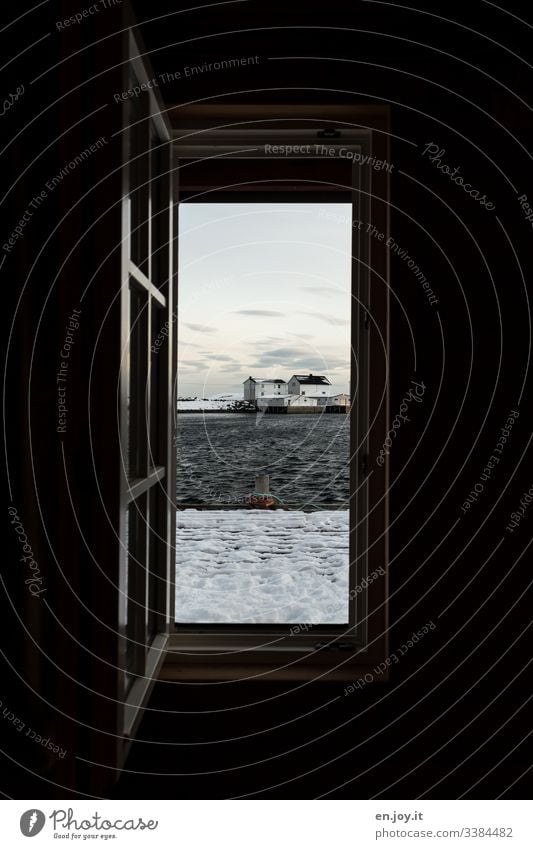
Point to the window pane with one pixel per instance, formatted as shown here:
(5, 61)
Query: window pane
(135, 587)
(137, 383)
(138, 171)
(265, 302)
(158, 353)
(156, 551)
(158, 214)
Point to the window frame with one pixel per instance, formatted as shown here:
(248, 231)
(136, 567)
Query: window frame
(150, 484)
(295, 650)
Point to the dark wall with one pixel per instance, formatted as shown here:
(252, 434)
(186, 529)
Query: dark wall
(440, 724)
(453, 718)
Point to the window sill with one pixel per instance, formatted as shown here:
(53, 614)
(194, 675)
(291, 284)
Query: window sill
(202, 658)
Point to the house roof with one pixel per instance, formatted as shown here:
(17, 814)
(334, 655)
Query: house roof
(265, 379)
(313, 379)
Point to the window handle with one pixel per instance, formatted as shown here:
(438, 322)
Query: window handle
(328, 134)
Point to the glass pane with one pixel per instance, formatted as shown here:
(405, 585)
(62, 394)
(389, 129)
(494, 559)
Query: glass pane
(158, 354)
(135, 587)
(138, 170)
(158, 215)
(156, 552)
(137, 382)
(263, 433)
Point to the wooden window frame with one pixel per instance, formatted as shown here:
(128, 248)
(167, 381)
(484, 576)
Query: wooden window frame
(153, 484)
(234, 652)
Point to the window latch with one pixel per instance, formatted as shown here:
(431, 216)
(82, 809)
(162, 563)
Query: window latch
(328, 134)
(336, 645)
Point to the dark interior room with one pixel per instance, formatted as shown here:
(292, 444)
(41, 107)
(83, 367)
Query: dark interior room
(120, 120)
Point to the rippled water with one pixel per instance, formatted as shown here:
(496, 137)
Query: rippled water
(220, 453)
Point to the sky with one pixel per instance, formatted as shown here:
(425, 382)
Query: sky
(263, 290)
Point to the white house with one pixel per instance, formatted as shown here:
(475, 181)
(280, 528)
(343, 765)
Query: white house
(273, 401)
(287, 401)
(255, 387)
(302, 401)
(297, 401)
(340, 400)
(314, 385)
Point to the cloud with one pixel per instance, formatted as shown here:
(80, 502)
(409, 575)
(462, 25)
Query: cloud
(270, 313)
(223, 364)
(221, 358)
(314, 364)
(270, 341)
(319, 290)
(327, 317)
(231, 369)
(190, 366)
(298, 360)
(282, 355)
(200, 328)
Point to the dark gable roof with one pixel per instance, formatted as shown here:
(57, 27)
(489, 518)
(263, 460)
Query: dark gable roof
(314, 379)
(265, 379)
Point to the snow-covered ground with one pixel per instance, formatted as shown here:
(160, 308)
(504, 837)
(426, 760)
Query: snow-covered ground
(214, 402)
(260, 566)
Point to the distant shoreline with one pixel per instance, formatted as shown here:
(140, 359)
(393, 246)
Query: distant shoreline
(235, 412)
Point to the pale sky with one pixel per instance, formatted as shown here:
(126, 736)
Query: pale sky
(264, 290)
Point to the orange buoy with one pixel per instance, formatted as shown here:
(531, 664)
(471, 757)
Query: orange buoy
(261, 500)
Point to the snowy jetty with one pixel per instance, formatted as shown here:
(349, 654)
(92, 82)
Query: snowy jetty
(229, 403)
(258, 566)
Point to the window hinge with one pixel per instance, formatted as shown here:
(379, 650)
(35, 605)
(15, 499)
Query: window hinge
(364, 465)
(366, 317)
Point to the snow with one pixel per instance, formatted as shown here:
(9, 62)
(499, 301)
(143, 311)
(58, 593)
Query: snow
(198, 405)
(261, 566)
(214, 402)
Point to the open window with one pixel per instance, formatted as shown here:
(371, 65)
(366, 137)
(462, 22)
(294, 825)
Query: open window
(116, 507)
(263, 488)
(111, 573)
(147, 375)
(322, 155)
